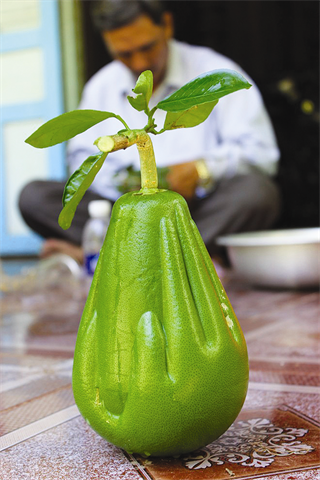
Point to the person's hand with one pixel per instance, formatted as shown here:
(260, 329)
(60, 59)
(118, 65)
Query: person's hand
(183, 178)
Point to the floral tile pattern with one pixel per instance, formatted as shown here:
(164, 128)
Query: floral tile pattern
(267, 440)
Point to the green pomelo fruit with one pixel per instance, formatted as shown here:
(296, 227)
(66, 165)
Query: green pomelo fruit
(160, 365)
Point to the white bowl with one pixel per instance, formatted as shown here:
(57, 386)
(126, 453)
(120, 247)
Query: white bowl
(278, 258)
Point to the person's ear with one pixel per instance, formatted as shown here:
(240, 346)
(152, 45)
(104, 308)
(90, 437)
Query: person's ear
(167, 22)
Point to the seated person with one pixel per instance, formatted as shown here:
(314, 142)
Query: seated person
(223, 167)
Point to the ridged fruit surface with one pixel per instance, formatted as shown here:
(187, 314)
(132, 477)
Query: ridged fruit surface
(160, 365)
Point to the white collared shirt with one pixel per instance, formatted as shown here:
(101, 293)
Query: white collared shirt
(236, 138)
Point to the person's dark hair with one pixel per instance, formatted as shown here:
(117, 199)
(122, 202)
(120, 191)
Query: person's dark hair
(112, 14)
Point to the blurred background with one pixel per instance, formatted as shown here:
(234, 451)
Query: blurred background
(49, 49)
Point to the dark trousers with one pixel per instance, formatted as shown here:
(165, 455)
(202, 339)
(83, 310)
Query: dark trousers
(239, 204)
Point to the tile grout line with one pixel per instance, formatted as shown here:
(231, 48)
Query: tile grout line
(280, 387)
(137, 466)
(39, 426)
(12, 384)
(284, 359)
(51, 348)
(54, 369)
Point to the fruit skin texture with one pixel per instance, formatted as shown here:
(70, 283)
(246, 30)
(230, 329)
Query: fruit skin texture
(160, 365)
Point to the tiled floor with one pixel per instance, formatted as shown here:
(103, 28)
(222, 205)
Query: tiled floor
(276, 436)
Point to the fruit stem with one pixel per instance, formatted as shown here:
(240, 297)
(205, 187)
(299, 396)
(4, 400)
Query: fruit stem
(149, 174)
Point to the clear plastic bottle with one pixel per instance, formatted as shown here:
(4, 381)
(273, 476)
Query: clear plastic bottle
(94, 233)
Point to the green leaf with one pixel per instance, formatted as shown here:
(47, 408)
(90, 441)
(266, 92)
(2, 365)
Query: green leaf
(143, 89)
(206, 88)
(66, 126)
(189, 118)
(77, 185)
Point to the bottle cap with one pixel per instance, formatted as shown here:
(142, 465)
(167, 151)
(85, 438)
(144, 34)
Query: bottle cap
(99, 208)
